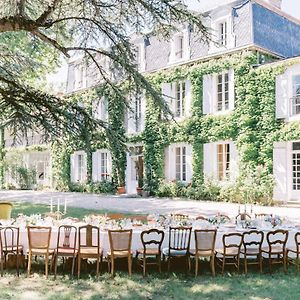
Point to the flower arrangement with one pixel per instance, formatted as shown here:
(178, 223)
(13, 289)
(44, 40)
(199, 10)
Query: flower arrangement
(217, 220)
(274, 220)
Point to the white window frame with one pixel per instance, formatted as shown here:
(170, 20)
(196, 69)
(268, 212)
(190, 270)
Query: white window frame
(223, 92)
(295, 100)
(180, 163)
(137, 113)
(79, 75)
(225, 163)
(104, 175)
(181, 38)
(179, 101)
(223, 33)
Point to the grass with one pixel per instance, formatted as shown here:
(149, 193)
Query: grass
(155, 286)
(27, 208)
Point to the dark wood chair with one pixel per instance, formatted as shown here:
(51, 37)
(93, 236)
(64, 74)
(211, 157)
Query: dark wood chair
(39, 245)
(152, 240)
(276, 249)
(252, 244)
(120, 247)
(242, 217)
(201, 218)
(9, 241)
(179, 245)
(295, 251)
(205, 240)
(89, 246)
(66, 245)
(230, 254)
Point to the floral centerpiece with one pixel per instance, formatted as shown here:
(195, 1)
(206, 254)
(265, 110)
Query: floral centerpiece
(217, 220)
(274, 220)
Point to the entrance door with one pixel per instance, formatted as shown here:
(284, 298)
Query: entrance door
(135, 168)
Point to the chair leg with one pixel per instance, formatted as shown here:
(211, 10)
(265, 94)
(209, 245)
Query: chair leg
(55, 266)
(270, 263)
(159, 263)
(129, 265)
(284, 262)
(29, 264)
(169, 263)
(46, 265)
(189, 263)
(101, 260)
(112, 266)
(212, 262)
(260, 263)
(238, 263)
(196, 264)
(223, 264)
(144, 265)
(78, 267)
(17, 262)
(73, 265)
(1, 265)
(97, 266)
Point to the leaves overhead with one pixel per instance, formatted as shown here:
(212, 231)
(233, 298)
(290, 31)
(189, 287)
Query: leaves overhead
(34, 34)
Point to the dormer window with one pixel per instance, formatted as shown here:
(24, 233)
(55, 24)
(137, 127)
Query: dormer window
(180, 46)
(78, 76)
(296, 95)
(222, 34)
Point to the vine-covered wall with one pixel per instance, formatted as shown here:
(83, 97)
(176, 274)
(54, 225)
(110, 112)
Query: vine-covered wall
(252, 125)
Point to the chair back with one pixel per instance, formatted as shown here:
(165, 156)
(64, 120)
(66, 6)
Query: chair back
(5, 210)
(67, 237)
(242, 217)
(201, 218)
(120, 240)
(39, 237)
(232, 241)
(277, 238)
(115, 216)
(89, 236)
(152, 237)
(205, 239)
(179, 217)
(179, 238)
(253, 238)
(297, 241)
(9, 238)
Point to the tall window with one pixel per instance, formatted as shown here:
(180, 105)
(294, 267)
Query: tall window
(180, 162)
(296, 166)
(296, 95)
(80, 167)
(179, 99)
(222, 33)
(223, 161)
(179, 47)
(223, 92)
(138, 112)
(103, 166)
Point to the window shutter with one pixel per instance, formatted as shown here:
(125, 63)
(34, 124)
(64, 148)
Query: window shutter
(73, 168)
(210, 160)
(143, 110)
(188, 98)
(84, 167)
(207, 94)
(95, 166)
(233, 161)
(167, 164)
(280, 171)
(231, 89)
(282, 98)
(166, 90)
(109, 165)
(130, 118)
(189, 163)
(71, 78)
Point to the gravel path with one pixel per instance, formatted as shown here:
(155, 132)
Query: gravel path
(142, 205)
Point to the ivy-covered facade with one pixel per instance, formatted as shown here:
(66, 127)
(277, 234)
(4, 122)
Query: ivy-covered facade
(223, 139)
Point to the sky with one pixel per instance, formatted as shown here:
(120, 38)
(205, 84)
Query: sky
(292, 7)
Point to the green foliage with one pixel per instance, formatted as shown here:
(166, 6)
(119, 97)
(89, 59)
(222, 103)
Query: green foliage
(104, 187)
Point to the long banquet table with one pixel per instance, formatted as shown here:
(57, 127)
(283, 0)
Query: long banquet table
(136, 240)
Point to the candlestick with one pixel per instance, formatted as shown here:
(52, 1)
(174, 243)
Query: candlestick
(57, 204)
(245, 209)
(239, 209)
(51, 205)
(65, 209)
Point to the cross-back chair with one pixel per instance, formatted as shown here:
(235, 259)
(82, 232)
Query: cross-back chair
(292, 253)
(152, 240)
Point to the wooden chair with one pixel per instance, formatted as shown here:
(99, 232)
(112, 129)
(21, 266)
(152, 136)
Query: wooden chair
(179, 245)
(120, 247)
(201, 218)
(252, 244)
(242, 217)
(89, 246)
(9, 241)
(205, 240)
(227, 218)
(179, 217)
(232, 243)
(277, 240)
(66, 245)
(39, 243)
(116, 216)
(152, 240)
(295, 250)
